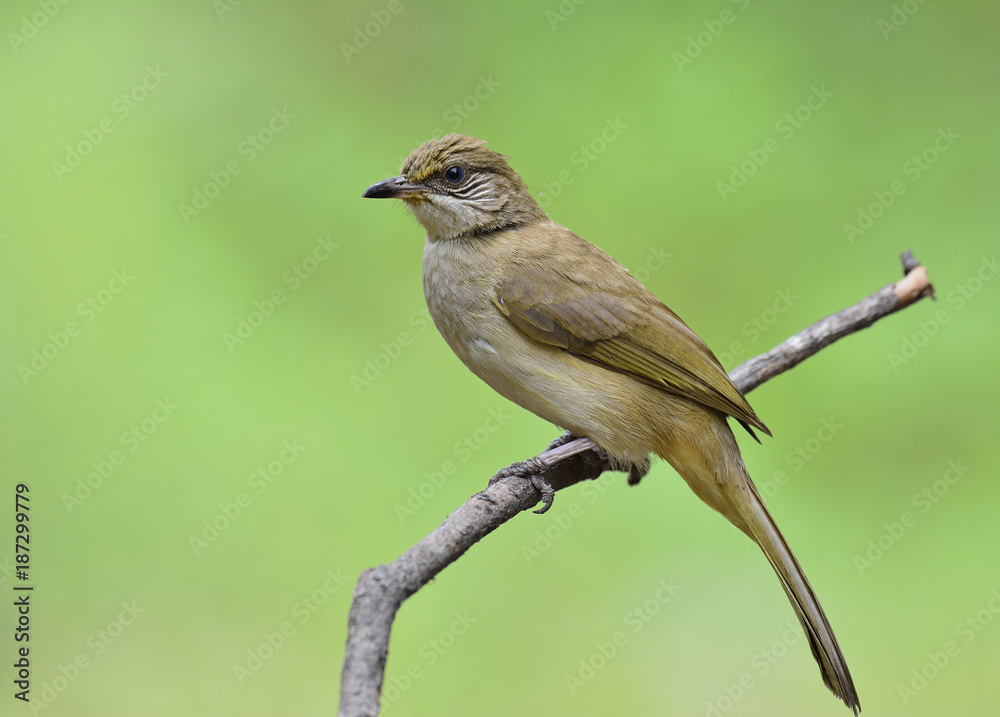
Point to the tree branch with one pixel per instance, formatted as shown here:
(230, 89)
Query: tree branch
(381, 591)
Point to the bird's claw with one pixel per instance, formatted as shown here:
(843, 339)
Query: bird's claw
(546, 489)
(532, 469)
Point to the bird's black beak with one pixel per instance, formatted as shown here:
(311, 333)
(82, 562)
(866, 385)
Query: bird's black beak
(392, 188)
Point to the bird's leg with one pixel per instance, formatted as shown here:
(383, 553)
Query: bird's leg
(636, 472)
(532, 469)
(562, 440)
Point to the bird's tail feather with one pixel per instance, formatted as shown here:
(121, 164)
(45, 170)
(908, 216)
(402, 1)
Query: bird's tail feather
(760, 526)
(707, 456)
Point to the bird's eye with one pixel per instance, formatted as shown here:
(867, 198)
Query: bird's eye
(454, 175)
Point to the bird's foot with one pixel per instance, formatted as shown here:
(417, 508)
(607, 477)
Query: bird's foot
(533, 470)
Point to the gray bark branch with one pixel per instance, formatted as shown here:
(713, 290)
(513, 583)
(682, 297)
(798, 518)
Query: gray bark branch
(380, 591)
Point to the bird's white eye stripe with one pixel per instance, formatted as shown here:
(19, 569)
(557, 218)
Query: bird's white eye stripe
(475, 190)
(479, 194)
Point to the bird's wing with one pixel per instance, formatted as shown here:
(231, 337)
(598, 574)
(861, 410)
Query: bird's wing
(588, 305)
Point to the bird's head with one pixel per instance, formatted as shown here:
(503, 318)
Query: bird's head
(456, 187)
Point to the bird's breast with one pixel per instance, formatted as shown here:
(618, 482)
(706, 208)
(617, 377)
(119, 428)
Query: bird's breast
(459, 282)
(459, 285)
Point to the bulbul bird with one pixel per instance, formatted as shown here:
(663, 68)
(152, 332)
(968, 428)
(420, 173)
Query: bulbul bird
(560, 328)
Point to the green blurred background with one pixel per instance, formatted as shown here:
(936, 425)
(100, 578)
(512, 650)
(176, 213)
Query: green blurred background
(173, 170)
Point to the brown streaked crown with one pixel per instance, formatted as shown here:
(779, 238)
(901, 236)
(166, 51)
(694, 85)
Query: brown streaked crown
(485, 196)
(438, 154)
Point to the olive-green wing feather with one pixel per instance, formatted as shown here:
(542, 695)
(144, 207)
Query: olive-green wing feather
(602, 313)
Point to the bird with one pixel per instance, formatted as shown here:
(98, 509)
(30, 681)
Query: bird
(559, 327)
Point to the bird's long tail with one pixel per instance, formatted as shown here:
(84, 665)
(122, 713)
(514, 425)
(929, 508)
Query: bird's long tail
(726, 486)
(760, 526)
